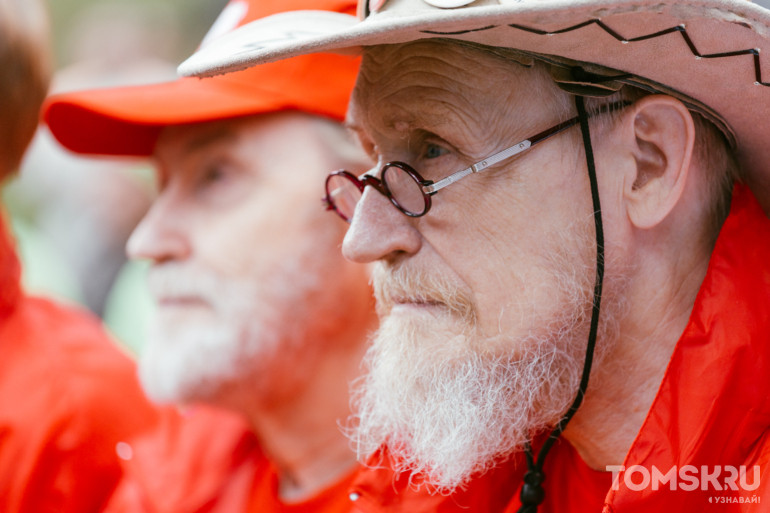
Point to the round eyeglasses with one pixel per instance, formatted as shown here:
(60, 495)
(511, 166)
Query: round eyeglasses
(411, 193)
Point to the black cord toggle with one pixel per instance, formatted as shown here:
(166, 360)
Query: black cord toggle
(532, 492)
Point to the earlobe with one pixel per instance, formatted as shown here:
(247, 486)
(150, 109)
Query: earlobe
(663, 138)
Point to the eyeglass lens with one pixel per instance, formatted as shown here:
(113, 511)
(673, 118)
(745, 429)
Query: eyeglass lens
(404, 189)
(343, 194)
(344, 191)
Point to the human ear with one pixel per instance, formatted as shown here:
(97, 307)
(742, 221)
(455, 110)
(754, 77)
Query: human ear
(661, 136)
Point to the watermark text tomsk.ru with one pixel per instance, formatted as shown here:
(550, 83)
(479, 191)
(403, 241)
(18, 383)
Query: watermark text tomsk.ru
(686, 477)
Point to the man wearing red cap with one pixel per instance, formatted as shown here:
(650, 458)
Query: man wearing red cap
(69, 399)
(258, 313)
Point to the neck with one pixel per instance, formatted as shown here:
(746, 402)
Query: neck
(624, 384)
(300, 430)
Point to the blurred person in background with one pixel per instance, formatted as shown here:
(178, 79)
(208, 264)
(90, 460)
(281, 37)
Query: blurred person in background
(261, 323)
(69, 399)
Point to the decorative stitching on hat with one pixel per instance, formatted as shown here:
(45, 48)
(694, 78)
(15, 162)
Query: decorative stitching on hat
(681, 29)
(458, 32)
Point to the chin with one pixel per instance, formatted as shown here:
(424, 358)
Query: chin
(186, 360)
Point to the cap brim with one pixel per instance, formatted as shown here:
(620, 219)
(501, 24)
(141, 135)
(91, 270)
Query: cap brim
(127, 121)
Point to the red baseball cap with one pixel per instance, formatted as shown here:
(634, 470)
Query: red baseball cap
(127, 120)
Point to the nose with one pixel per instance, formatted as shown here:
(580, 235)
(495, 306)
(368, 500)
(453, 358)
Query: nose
(160, 235)
(379, 231)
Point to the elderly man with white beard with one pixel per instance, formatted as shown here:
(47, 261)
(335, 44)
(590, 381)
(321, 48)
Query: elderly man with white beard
(558, 191)
(258, 313)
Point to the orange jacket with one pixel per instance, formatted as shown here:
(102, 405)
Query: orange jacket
(711, 415)
(68, 402)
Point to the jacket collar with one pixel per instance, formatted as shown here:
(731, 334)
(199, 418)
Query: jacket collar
(711, 408)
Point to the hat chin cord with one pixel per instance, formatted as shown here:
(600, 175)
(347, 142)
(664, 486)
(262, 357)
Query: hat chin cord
(532, 492)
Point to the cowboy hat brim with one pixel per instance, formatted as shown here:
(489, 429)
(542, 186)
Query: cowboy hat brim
(710, 51)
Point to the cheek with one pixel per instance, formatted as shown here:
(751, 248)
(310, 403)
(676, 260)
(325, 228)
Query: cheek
(239, 242)
(503, 247)
(235, 238)
(302, 233)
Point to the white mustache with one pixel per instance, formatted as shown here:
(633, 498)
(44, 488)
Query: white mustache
(395, 284)
(173, 281)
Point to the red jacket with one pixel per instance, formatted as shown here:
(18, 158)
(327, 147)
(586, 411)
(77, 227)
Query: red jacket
(379, 490)
(712, 411)
(209, 461)
(69, 400)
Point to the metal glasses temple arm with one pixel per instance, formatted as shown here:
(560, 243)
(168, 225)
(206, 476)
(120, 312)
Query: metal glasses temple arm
(498, 157)
(517, 148)
(478, 166)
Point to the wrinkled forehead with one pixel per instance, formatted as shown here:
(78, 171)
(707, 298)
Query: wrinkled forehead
(428, 61)
(446, 80)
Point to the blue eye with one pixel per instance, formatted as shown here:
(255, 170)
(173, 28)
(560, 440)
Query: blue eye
(433, 151)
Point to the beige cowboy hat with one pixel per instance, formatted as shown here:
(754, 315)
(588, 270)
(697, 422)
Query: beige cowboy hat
(709, 53)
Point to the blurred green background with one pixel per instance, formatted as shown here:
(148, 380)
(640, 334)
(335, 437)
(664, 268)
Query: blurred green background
(180, 23)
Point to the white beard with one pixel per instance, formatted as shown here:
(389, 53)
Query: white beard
(190, 357)
(446, 404)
